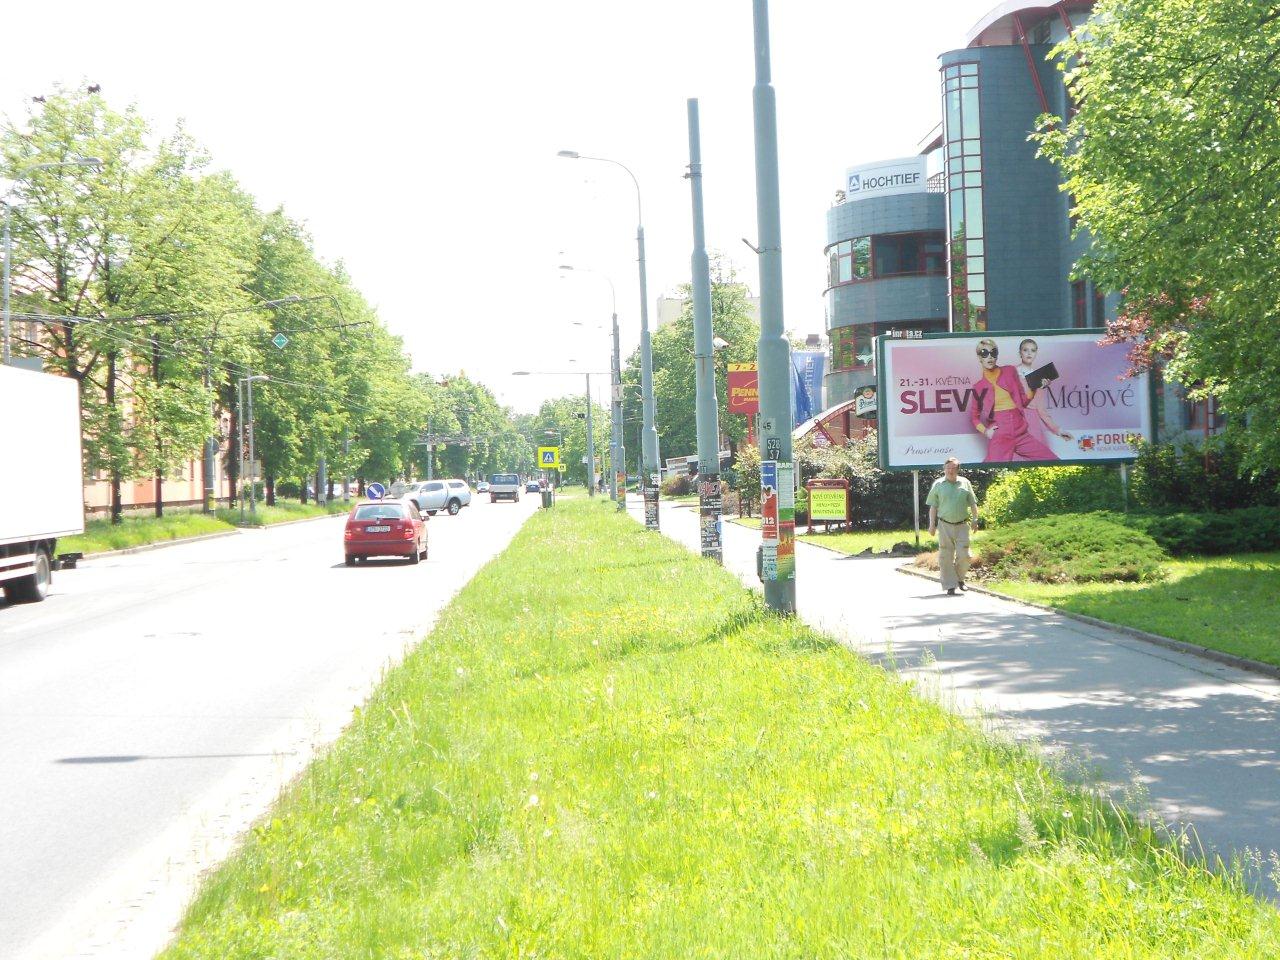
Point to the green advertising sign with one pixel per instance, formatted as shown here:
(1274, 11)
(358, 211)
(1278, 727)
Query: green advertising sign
(828, 504)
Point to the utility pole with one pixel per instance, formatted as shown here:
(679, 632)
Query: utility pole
(346, 468)
(591, 447)
(240, 428)
(708, 418)
(322, 482)
(777, 471)
(619, 465)
(431, 451)
(253, 470)
(210, 444)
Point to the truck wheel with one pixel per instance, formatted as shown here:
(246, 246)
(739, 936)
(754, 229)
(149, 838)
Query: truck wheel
(33, 588)
(454, 507)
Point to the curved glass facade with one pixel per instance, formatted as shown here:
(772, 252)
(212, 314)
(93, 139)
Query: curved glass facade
(962, 134)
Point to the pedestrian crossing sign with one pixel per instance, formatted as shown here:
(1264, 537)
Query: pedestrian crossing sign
(549, 458)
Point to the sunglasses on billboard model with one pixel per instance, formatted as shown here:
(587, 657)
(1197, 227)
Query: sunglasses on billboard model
(992, 352)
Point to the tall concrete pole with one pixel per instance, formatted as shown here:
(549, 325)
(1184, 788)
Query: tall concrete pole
(707, 416)
(253, 470)
(240, 436)
(777, 471)
(619, 443)
(591, 446)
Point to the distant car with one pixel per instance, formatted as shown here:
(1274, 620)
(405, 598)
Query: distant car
(385, 528)
(433, 495)
(504, 486)
(533, 487)
(482, 486)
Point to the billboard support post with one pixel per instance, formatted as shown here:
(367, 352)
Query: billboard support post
(915, 502)
(1124, 484)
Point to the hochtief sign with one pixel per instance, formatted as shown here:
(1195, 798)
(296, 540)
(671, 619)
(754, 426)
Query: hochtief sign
(885, 178)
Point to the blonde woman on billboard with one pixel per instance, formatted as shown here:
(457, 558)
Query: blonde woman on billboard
(1037, 415)
(999, 409)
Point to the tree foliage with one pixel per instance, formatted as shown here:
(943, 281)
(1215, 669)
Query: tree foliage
(158, 285)
(674, 391)
(1172, 160)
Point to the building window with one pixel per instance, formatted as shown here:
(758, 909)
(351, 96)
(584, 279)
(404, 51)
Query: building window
(1202, 415)
(1099, 307)
(889, 255)
(967, 255)
(1079, 304)
(853, 347)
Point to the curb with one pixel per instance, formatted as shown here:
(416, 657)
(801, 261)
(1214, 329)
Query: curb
(1180, 646)
(144, 547)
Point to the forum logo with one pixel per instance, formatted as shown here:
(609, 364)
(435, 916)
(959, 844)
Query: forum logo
(855, 183)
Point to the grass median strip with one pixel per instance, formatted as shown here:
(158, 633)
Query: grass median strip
(606, 748)
(102, 535)
(854, 541)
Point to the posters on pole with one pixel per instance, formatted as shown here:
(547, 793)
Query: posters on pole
(710, 507)
(786, 521)
(743, 388)
(1009, 398)
(651, 490)
(769, 519)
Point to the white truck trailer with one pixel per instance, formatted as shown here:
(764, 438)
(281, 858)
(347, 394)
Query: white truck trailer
(41, 481)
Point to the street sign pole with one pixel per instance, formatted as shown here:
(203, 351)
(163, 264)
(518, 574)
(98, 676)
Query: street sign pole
(591, 446)
(773, 353)
(708, 423)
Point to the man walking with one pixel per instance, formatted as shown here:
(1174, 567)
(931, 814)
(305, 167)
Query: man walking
(951, 505)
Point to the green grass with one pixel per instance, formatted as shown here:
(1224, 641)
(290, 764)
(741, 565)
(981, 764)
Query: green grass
(855, 541)
(136, 531)
(1229, 603)
(282, 512)
(632, 759)
(101, 535)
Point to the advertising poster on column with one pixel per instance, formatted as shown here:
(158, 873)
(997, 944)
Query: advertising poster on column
(1010, 399)
(769, 519)
(743, 387)
(786, 521)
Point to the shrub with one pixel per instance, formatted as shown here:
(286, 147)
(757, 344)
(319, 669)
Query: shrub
(1174, 477)
(1045, 491)
(1250, 530)
(1076, 548)
(677, 485)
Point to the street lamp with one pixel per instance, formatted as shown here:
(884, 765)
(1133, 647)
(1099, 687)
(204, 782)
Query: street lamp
(617, 451)
(591, 445)
(245, 386)
(649, 438)
(8, 244)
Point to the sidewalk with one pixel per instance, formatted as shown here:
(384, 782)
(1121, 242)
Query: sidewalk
(1200, 739)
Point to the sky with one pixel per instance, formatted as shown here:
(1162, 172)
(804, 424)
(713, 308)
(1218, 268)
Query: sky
(418, 142)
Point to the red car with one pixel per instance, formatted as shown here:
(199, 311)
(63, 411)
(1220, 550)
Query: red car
(385, 528)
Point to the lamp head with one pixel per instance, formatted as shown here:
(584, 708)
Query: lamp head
(568, 154)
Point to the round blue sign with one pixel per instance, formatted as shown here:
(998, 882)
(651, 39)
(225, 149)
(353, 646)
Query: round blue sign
(375, 491)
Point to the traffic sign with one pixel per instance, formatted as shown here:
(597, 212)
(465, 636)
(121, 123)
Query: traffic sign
(549, 458)
(280, 340)
(375, 491)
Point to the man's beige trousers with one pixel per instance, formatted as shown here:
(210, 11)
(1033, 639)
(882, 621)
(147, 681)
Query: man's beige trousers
(953, 553)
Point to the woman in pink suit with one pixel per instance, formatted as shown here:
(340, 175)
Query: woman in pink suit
(1038, 419)
(999, 410)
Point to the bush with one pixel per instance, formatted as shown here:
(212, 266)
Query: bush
(1174, 477)
(1251, 530)
(677, 485)
(1045, 491)
(1077, 548)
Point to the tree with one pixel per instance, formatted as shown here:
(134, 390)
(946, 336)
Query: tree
(674, 390)
(1172, 160)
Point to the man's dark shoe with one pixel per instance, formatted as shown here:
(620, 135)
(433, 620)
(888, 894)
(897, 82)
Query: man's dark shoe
(951, 591)
(963, 588)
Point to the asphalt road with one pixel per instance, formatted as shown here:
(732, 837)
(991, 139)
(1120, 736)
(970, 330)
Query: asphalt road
(152, 707)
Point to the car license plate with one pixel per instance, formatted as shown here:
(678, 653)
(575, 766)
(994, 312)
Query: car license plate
(377, 528)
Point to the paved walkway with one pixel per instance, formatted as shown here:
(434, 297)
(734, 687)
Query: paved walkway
(1200, 739)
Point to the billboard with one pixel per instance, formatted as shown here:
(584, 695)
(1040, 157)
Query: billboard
(1009, 399)
(743, 386)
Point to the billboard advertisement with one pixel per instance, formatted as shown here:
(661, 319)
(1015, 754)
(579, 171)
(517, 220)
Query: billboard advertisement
(743, 384)
(1009, 399)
